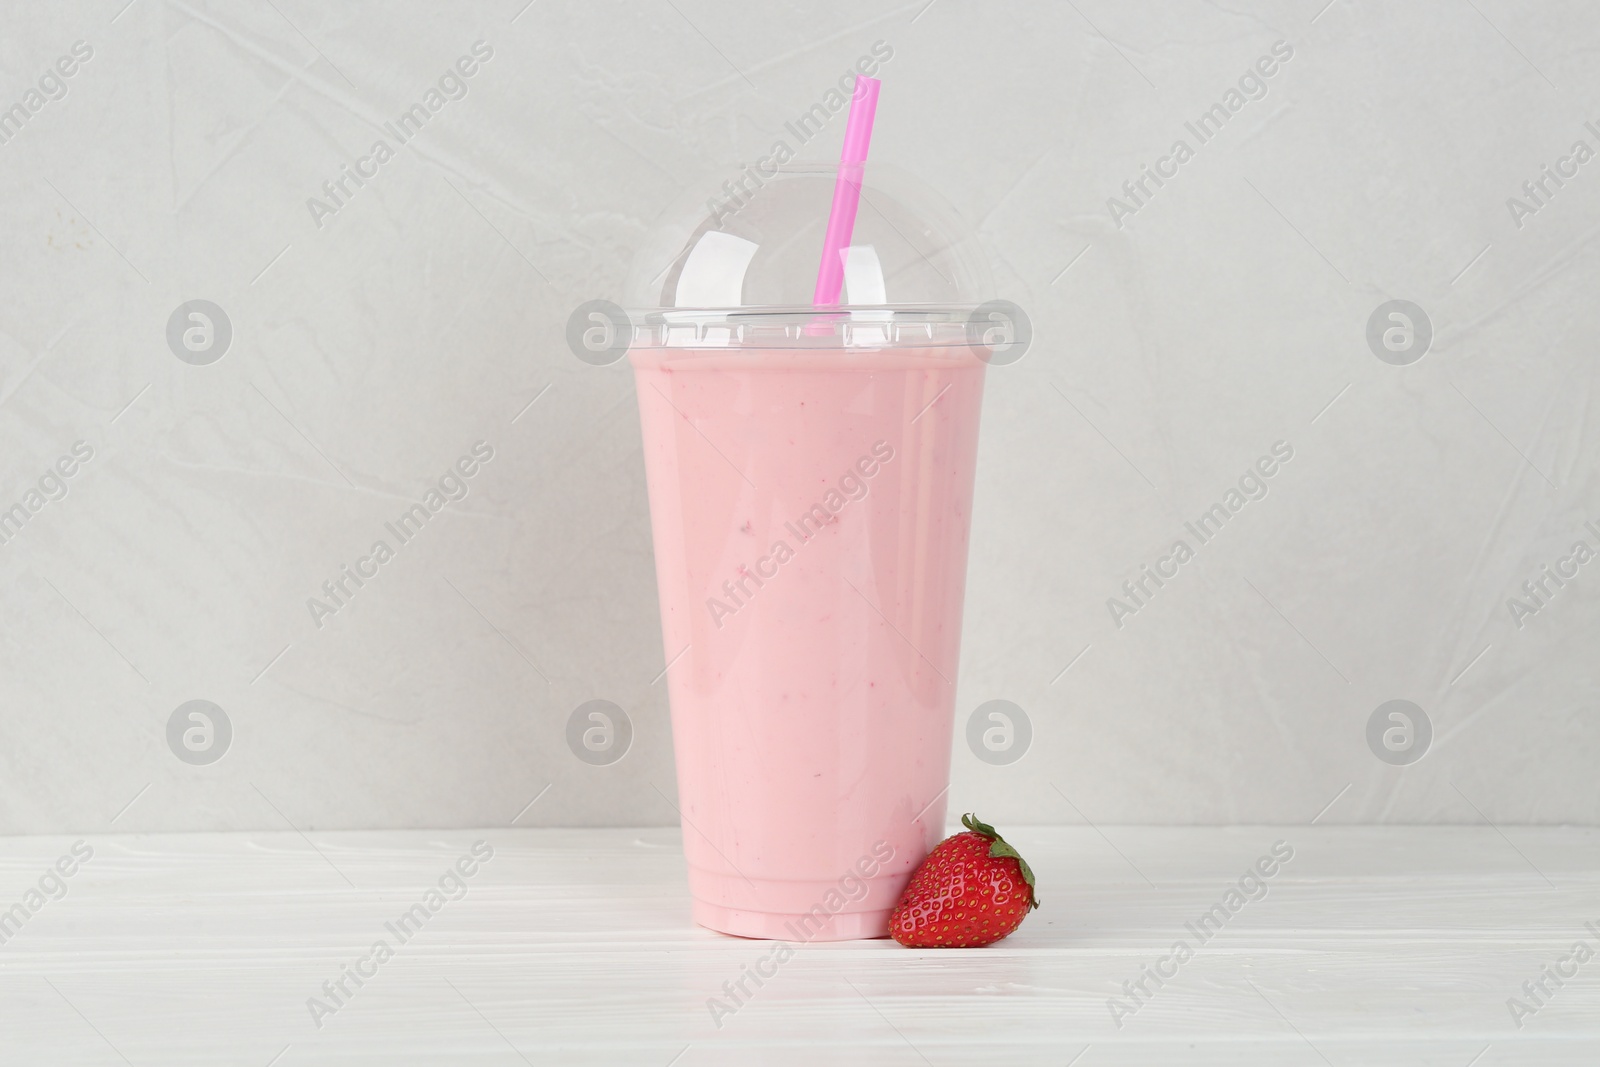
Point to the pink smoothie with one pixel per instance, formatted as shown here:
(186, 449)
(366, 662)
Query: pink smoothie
(811, 511)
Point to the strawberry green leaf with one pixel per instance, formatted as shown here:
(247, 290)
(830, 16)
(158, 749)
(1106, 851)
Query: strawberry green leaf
(978, 826)
(1000, 847)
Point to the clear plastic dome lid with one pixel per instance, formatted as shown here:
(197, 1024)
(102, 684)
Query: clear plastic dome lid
(750, 253)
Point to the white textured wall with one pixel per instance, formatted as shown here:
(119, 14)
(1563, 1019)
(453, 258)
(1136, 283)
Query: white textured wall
(369, 353)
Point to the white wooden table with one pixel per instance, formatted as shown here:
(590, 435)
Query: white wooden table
(1370, 947)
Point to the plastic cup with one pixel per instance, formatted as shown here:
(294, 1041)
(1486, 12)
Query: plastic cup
(811, 484)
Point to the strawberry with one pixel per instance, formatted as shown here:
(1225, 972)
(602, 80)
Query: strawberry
(971, 890)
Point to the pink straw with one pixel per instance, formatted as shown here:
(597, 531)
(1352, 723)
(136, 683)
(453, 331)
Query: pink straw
(846, 191)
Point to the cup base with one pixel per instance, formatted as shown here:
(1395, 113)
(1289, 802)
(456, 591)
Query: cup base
(798, 927)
